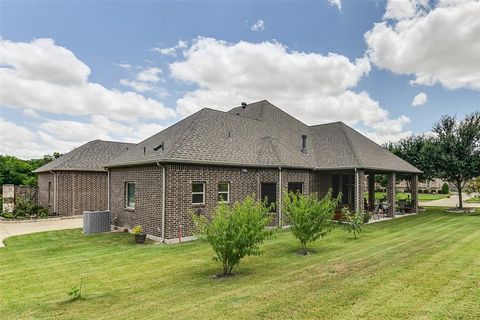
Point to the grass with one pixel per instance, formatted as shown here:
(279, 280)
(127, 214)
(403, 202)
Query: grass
(473, 200)
(401, 195)
(423, 267)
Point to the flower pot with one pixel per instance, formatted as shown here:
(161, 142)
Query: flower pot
(140, 238)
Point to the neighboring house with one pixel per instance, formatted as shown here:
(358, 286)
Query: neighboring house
(430, 185)
(214, 156)
(77, 181)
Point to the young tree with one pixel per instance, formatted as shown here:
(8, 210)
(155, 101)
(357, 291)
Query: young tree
(354, 222)
(234, 231)
(454, 150)
(309, 217)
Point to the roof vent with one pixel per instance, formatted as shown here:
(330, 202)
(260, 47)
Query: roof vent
(244, 105)
(304, 144)
(158, 147)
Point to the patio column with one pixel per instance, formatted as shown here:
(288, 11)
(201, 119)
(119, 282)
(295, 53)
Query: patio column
(371, 191)
(391, 188)
(359, 190)
(414, 192)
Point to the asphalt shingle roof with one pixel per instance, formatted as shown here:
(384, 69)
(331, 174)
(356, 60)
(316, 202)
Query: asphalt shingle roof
(260, 134)
(92, 156)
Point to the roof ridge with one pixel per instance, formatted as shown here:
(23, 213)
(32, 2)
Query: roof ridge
(350, 143)
(187, 131)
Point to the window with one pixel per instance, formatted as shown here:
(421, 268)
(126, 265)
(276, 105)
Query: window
(49, 192)
(198, 192)
(295, 187)
(223, 192)
(130, 195)
(268, 191)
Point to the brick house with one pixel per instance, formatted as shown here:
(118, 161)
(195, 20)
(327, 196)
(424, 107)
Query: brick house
(259, 149)
(77, 181)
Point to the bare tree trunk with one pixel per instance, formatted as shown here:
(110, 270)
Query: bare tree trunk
(460, 197)
(459, 189)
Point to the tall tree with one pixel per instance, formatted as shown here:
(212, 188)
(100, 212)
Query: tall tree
(454, 150)
(412, 150)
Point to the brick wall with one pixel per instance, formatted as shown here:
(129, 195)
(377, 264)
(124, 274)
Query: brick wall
(78, 191)
(320, 183)
(148, 202)
(178, 197)
(43, 198)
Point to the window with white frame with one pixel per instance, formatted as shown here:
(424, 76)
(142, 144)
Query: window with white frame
(130, 195)
(224, 192)
(198, 192)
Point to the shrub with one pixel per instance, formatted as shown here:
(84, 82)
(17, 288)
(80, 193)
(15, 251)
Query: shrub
(445, 188)
(366, 217)
(234, 231)
(353, 222)
(137, 230)
(75, 291)
(309, 217)
(26, 208)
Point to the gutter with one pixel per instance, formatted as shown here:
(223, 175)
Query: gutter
(163, 200)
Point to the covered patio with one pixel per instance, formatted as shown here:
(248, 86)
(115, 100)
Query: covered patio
(357, 187)
(354, 184)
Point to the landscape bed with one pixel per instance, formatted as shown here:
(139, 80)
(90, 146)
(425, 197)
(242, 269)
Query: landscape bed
(423, 266)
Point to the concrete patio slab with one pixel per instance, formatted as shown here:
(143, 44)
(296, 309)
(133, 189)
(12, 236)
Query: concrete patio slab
(13, 229)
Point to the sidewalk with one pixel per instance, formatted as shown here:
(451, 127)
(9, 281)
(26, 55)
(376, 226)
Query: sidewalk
(13, 229)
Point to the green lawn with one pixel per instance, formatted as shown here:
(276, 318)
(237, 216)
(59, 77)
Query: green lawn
(422, 267)
(400, 195)
(473, 200)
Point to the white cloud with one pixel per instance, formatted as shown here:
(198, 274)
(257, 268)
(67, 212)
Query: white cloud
(258, 26)
(172, 51)
(45, 77)
(436, 45)
(144, 80)
(420, 99)
(337, 3)
(31, 113)
(312, 87)
(150, 75)
(136, 85)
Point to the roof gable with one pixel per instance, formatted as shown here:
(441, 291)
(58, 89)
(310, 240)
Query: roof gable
(90, 156)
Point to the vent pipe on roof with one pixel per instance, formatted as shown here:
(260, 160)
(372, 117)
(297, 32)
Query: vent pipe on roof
(304, 144)
(244, 105)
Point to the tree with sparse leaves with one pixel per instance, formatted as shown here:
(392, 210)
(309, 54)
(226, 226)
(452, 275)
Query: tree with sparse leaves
(234, 231)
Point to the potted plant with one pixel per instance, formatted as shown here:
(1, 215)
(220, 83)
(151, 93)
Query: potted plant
(139, 235)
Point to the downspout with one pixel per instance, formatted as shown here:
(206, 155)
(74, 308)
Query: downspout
(356, 197)
(108, 189)
(54, 191)
(163, 200)
(280, 203)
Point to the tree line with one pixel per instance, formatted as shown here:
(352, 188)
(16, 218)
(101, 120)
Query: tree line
(19, 172)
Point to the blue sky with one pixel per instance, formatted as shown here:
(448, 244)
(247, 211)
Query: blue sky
(116, 41)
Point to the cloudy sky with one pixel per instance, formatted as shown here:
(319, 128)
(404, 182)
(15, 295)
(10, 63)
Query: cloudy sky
(73, 72)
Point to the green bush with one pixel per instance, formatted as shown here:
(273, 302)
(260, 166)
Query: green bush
(367, 216)
(26, 208)
(309, 217)
(445, 188)
(354, 222)
(234, 231)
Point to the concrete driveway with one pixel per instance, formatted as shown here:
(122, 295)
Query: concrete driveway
(451, 202)
(13, 229)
